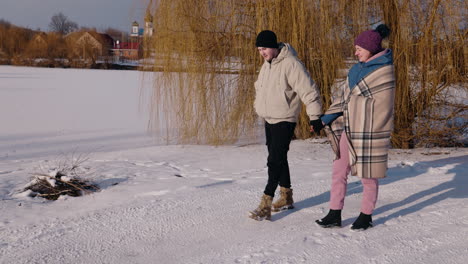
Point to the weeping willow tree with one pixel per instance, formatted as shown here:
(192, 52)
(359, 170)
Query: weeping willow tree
(431, 56)
(206, 62)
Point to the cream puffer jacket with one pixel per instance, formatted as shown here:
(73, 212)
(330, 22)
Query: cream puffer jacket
(280, 87)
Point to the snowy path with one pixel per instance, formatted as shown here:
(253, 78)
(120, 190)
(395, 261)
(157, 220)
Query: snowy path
(188, 204)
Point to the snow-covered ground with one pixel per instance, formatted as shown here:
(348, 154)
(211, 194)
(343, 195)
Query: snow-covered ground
(189, 204)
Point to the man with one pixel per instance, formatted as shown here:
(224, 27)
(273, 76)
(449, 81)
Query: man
(283, 82)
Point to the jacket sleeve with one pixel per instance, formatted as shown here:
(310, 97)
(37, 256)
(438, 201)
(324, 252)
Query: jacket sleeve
(301, 83)
(328, 118)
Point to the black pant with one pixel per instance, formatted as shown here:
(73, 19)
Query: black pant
(278, 138)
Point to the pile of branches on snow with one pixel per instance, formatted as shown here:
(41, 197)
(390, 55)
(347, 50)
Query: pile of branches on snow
(66, 178)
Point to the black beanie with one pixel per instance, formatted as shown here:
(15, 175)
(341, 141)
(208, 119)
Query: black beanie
(266, 39)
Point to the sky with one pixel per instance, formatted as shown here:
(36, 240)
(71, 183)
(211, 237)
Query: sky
(100, 14)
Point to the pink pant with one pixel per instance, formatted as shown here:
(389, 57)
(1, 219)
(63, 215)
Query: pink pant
(341, 169)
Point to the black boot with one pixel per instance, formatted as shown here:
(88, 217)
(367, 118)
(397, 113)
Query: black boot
(333, 219)
(363, 222)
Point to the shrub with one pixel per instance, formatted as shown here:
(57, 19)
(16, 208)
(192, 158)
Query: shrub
(66, 177)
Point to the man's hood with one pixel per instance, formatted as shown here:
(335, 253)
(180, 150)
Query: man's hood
(286, 50)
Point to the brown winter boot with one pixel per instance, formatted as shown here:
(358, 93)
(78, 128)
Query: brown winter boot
(285, 201)
(263, 211)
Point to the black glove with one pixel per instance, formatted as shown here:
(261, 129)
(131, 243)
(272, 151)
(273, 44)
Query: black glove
(317, 125)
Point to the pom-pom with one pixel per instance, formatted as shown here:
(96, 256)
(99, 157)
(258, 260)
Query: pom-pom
(383, 30)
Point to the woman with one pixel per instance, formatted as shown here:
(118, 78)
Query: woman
(358, 126)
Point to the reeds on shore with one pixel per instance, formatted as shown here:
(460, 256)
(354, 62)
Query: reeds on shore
(206, 53)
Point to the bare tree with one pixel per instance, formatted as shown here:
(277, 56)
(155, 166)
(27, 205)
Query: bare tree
(5, 23)
(61, 24)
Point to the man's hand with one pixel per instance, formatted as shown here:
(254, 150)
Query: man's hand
(316, 126)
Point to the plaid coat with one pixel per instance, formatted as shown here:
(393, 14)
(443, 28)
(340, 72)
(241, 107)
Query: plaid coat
(367, 120)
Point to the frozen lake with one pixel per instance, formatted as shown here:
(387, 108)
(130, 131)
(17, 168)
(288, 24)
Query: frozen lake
(44, 109)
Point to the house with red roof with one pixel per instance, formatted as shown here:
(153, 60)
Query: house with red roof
(127, 50)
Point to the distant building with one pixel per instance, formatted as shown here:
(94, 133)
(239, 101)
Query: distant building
(40, 39)
(37, 47)
(135, 29)
(126, 50)
(132, 49)
(148, 31)
(90, 44)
